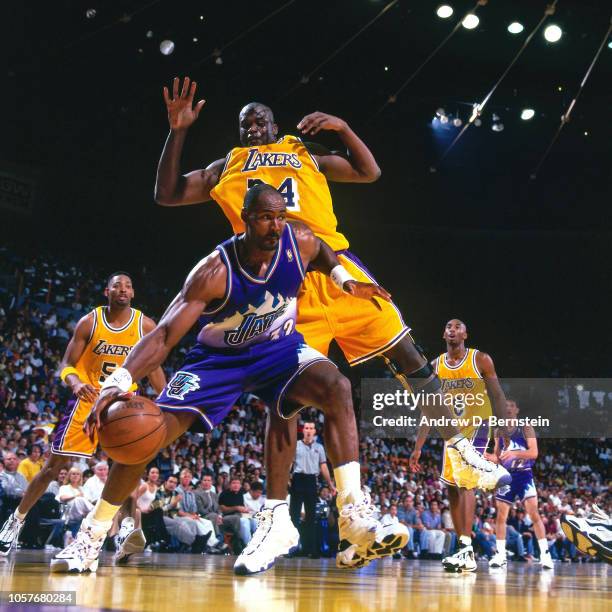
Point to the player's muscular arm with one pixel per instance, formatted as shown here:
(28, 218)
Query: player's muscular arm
(172, 188)
(73, 353)
(359, 167)
(157, 378)
(487, 368)
(320, 256)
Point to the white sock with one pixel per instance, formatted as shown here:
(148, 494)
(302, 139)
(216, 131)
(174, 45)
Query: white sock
(272, 503)
(543, 543)
(465, 540)
(501, 547)
(98, 526)
(348, 483)
(20, 515)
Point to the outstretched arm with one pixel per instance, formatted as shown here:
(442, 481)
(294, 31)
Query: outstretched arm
(320, 256)
(359, 166)
(172, 188)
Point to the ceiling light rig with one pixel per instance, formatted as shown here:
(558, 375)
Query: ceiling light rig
(444, 11)
(470, 21)
(527, 114)
(515, 27)
(166, 47)
(553, 33)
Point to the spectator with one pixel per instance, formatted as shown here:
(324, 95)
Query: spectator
(432, 521)
(31, 465)
(231, 503)
(92, 489)
(12, 484)
(76, 504)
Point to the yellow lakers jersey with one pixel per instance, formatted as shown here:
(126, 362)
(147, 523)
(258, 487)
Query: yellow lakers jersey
(464, 382)
(288, 166)
(108, 346)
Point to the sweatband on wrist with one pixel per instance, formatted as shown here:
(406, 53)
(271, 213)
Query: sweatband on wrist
(340, 275)
(119, 378)
(66, 372)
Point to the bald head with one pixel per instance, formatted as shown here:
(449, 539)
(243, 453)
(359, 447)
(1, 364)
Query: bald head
(256, 125)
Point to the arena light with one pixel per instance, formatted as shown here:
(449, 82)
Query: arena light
(610, 45)
(515, 27)
(166, 47)
(527, 113)
(457, 122)
(498, 127)
(470, 21)
(444, 11)
(477, 122)
(553, 33)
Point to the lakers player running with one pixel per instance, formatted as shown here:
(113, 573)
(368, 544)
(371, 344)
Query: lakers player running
(469, 376)
(243, 297)
(101, 342)
(361, 329)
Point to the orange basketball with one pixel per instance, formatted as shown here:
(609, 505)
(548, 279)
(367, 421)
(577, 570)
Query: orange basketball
(132, 431)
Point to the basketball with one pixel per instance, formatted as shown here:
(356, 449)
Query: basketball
(132, 431)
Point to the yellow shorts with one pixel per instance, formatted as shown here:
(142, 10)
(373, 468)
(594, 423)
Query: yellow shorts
(70, 439)
(362, 331)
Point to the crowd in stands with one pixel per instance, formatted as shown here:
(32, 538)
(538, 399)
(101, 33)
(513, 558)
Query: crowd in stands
(202, 494)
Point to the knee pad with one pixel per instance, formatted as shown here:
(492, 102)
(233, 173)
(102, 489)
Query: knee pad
(424, 379)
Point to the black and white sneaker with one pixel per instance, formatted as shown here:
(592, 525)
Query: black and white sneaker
(591, 535)
(129, 541)
(9, 533)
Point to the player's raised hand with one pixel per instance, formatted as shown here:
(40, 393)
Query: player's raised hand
(315, 122)
(181, 111)
(367, 291)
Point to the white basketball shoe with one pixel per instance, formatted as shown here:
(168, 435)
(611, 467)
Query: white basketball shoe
(82, 554)
(363, 538)
(9, 533)
(275, 535)
(498, 560)
(472, 471)
(462, 561)
(591, 535)
(129, 541)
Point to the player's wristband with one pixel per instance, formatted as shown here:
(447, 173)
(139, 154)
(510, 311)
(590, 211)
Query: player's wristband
(340, 275)
(119, 378)
(66, 372)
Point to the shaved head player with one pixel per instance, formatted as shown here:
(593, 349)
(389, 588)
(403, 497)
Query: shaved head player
(363, 330)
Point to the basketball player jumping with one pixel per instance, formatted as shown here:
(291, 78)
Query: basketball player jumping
(244, 297)
(363, 331)
(469, 376)
(517, 450)
(100, 343)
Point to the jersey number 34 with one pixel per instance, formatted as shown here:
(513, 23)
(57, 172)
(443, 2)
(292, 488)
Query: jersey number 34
(288, 189)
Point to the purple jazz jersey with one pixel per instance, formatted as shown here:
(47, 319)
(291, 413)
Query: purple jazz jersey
(522, 485)
(247, 341)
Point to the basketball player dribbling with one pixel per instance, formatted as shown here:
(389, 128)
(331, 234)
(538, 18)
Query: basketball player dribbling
(362, 330)
(244, 297)
(101, 342)
(465, 373)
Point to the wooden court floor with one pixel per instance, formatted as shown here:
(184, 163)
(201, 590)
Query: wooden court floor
(181, 583)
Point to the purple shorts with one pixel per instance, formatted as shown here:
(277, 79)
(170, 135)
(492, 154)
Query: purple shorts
(211, 380)
(522, 486)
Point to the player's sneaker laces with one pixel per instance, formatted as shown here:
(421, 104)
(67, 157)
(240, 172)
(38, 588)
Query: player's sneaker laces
(363, 538)
(82, 554)
(128, 541)
(275, 536)
(9, 533)
(591, 535)
(498, 560)
(471, 470)
(462, 561)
